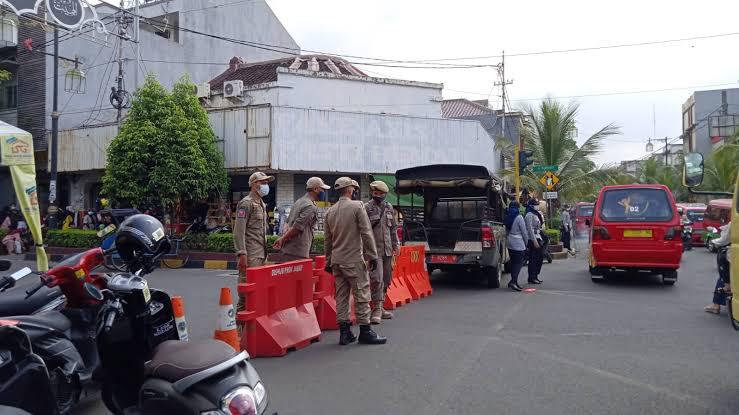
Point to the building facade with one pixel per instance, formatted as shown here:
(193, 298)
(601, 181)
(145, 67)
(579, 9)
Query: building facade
(709, 117)
(309, 115)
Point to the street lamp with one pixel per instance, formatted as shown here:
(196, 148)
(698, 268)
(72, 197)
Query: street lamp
(650, 146)
(75, 80)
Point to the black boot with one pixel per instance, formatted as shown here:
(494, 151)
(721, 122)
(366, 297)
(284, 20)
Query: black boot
(514, 286)
(345, 334)
(368, 336)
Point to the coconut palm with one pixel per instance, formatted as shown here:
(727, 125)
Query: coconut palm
(549, 131)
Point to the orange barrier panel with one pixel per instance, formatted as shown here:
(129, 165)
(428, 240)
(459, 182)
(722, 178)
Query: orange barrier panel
(323, 296)
(416, 275)
(279, 313)
(398, 292)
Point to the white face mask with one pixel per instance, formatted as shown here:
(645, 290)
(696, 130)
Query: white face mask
(263, 190)
(537, 208)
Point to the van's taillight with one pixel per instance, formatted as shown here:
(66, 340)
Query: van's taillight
(673, 232)
(600, 232)
(488, 238)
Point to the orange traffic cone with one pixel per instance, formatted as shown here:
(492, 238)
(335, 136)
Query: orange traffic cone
(178, 306)
(226, 328)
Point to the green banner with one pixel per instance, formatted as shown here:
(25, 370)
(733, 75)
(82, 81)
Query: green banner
(16, 151)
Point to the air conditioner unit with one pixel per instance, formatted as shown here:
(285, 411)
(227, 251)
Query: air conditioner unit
(233, 89)
(202, 90)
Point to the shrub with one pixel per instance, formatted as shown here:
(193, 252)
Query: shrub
(223, 242)
(72, 238)
(553, 235)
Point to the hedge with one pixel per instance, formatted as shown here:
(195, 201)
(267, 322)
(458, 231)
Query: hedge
(553, 235)
(218, 242)
(224, 242)
(72, 238)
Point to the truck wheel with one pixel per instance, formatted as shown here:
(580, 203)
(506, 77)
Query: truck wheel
(494, 276)
(669, 277)
(597, 275)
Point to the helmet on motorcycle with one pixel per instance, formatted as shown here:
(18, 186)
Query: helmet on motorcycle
(139, 239)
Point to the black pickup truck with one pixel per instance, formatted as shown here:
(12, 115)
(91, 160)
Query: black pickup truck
(459, 220)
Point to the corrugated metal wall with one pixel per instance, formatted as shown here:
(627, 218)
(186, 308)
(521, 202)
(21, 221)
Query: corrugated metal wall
(31, 75)
(328, 141)
(84, 148)
(244, 135)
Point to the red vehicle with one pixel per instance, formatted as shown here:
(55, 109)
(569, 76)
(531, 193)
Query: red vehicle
(635, 228)
(583, 213)
(695, 213)
(718, 213)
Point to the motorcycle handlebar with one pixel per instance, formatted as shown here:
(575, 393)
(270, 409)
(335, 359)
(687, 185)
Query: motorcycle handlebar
(110, 315)
(35, 288)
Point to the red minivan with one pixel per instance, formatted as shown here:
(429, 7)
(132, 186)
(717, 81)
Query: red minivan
(718, 213)
(583, 213)
(635, 228)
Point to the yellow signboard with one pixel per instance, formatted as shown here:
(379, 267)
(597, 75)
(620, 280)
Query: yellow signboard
(16, 149)
(549, 180)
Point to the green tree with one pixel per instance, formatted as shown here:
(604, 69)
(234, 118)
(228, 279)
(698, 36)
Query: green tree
(161, 156)
(653, 171)
(721, 166)
(549, 130)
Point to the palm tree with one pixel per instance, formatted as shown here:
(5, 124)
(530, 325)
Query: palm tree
(653, 171)
(550, 131)
(721, 166)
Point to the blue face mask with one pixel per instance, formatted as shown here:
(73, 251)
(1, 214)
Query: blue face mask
(263, 190)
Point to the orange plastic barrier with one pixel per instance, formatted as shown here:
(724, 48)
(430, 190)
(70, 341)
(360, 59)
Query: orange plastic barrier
(323, 296)
(398, 292)
(279, 313)
(415, 273)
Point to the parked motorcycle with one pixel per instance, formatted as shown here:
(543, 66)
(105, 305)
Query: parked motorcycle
(14, 302)
(118, 325)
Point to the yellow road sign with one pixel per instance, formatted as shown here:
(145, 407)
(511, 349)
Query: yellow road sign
(549, 180)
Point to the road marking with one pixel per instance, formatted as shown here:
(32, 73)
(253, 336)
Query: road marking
(609, 375)
(511, 312)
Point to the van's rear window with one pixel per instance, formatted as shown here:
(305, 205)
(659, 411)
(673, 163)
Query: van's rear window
(636, 205)
(586, 211)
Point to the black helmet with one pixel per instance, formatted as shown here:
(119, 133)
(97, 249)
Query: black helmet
(140, 238)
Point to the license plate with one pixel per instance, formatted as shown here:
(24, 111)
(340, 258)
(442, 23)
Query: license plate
(640, 233)
(444, 259)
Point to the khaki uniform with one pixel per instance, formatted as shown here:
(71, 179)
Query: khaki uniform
(384, 230)
(303, 217)
(348, 239)
(250, 235)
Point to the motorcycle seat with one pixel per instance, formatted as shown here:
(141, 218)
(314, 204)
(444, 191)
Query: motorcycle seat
(13, 302)
(50, 319)
(174, 360)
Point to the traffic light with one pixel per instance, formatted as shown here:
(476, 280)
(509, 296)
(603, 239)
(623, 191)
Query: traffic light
(524, 160)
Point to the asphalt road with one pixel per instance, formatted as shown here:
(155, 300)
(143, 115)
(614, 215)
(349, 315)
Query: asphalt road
(627, 346)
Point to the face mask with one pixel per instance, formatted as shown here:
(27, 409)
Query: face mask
(263, 190)
(536, 208)
(378, 199)
(355, 195)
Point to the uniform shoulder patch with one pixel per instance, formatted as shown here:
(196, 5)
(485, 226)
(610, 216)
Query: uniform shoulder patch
(241, 213)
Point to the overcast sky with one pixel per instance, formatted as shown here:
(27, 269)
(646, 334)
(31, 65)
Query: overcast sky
(431, 29)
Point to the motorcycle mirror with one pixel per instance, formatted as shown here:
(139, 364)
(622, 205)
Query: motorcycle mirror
(4, 265)
(94, 292)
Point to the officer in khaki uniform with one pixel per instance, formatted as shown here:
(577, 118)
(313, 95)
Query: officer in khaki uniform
(250, 229)
(295, 244)
(348, 242)
(384, 229)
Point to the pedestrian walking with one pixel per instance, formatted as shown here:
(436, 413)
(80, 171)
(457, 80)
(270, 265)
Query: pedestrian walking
(566, 229)
(533, 228)
(518, 239)
(348, 242)
(296, 242)
(250, 229)
(384, 229)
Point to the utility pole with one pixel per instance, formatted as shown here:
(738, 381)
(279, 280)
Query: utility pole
(136, 28)
(119, 97)
(54, 121)
(502, 83)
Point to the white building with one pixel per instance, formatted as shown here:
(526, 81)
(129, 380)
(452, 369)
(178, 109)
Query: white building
(311, 115)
